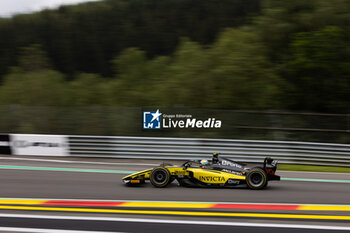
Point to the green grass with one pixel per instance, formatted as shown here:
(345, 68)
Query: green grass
(312, 168)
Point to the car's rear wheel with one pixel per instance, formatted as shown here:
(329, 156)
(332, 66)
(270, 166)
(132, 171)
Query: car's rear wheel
(160, 177)
(256, 178)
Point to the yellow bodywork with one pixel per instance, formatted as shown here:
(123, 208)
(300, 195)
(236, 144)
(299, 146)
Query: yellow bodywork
(139, 175)
(203, 175)
(213, 176)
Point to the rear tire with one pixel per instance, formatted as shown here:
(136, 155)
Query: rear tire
(267, 182)
(160, 177)
(256, 178)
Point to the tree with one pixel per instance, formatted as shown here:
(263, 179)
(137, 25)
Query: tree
(319, 71)
(39, 88)
(88, 89)
(32, 82)
(33, 58)
(233, 73)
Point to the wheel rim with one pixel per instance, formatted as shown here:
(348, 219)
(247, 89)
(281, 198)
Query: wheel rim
(256, 179)
(159, 177)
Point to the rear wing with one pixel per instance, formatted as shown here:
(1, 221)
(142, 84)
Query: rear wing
(269, 162)
(270, 167)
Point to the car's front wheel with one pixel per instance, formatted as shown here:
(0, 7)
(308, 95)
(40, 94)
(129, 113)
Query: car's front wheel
(160, 177)
(256, 178)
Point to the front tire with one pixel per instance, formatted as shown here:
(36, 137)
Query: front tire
(256, 178)
(160, 177)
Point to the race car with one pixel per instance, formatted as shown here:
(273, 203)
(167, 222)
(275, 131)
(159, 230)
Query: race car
(219, 172)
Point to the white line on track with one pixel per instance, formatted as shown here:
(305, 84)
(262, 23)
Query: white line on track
(40, 230)
(82, 162)
(164, 221)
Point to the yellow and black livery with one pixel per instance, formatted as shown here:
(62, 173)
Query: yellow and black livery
(220, 172)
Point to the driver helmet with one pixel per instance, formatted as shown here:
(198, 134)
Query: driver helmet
(215, 158)
(204, 162)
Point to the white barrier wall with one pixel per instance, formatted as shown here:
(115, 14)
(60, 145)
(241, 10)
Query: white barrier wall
(34, 144)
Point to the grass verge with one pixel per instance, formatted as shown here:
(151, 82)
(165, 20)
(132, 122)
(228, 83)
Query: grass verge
(312, 168)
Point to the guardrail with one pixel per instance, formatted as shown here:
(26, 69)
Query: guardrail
(289, 152)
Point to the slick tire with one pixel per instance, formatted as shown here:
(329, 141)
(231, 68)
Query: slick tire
(160, 177)
(267, 182)
(256, 178)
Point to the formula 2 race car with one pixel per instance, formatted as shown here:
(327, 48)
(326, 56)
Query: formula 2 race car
(219, 172)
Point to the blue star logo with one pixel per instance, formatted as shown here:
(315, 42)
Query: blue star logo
(151, 120)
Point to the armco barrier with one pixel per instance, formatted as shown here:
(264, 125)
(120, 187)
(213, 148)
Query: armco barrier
(290, 152)
(189, 148)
